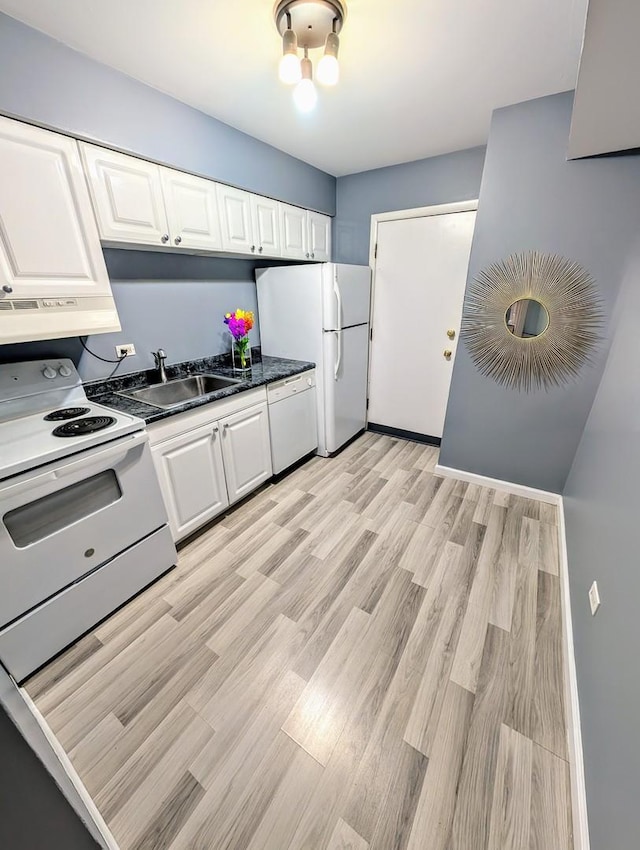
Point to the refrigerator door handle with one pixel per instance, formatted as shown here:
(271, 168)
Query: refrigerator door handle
(336, 289)
(339, 355)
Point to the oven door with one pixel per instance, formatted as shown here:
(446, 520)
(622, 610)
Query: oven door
(61, 521)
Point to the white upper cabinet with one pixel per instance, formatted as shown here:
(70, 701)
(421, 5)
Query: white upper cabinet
(235, 214)
(49, 244)
(306, 235)
(127, 197)
(140, 203)
(294, 232)
(265, 219)
(319, 229)
(192, 210)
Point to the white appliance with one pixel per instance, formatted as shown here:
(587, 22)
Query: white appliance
(321, 313)
(292, 419)
(83, 526)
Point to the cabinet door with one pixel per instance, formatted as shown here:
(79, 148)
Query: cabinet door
(246, 450)
(127, 197)
(266, 225)
(293, 232)
(49, 242)
(319, 236)
(191, 474)
(235, 216)
(192, 210)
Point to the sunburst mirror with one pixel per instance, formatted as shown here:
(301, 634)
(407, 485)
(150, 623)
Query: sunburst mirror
(532, 320)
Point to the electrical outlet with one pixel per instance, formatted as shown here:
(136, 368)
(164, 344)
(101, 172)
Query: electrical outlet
(128, 349)
(594, 598)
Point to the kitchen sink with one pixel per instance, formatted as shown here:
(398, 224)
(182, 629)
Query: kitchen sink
(181, 390)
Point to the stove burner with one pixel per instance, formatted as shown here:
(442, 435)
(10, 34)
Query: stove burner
(66, 413)
(80, 427)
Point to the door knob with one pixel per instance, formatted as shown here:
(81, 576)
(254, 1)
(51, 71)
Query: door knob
(447, 354)
(451, 333)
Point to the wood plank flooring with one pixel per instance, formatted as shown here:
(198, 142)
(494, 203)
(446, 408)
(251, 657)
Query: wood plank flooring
(363, 655)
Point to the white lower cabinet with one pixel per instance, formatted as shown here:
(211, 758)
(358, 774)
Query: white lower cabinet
(211, 457)
(191, 474)
(246, 449)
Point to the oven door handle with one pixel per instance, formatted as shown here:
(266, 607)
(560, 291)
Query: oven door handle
(106, 456)
(30, 481)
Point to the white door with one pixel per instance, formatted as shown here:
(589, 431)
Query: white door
(319, 227)
(265, 220)
(191, 475)
(345, 385)
(49, 242)
(235, 215)
(294, 232)
(192, 210)
(246, 449)
(419, 282)
(127, 197)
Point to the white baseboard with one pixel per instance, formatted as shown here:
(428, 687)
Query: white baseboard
(498, 484)
(92, 810)
(572, 706)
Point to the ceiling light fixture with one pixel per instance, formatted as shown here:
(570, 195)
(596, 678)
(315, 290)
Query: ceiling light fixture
(309, 24)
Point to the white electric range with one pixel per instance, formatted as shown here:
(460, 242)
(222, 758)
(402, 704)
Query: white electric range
(83, 526)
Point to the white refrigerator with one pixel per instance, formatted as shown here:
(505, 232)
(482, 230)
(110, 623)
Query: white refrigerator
(321, 313)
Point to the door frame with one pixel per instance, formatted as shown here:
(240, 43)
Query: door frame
(398, 215)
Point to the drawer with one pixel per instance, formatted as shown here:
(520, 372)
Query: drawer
(35, 638)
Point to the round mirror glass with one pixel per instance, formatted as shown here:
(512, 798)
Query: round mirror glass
(527, 318)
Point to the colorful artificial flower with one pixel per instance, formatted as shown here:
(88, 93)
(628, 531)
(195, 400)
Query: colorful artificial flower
(240, 323)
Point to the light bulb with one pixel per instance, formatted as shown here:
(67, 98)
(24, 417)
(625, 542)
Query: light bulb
(289, 70)
(305, 95)
(328, 72)
(328, 68)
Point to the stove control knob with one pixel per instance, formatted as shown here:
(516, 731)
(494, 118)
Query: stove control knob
(64, 371)
(49, 373)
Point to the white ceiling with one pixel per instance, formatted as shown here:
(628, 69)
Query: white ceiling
(419, 77)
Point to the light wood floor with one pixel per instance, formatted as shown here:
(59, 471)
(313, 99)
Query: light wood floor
(363, 655)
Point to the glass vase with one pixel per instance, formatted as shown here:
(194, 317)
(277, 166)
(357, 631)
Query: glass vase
(241, 354)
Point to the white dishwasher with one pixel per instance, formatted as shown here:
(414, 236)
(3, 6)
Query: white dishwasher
(292, 419)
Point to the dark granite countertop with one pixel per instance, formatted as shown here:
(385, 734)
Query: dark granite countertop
(265, 370)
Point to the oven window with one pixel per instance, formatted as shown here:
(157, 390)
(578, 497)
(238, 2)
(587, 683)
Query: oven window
(37, 520)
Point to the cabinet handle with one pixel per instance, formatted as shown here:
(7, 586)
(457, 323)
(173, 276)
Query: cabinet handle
(260, 250)
(8, 289)
(307, 255)
(312, 255)
(253, 248)
(215, 429)
(178, 240)
(225, 426)
(164, 238)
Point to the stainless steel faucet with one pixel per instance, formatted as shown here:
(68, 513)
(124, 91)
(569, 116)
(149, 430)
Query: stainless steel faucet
(159, 356)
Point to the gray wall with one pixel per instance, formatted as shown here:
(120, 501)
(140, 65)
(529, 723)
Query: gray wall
(33, 812)
(436, 180)
(533, 198)
(601, 509)
(43, 81)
